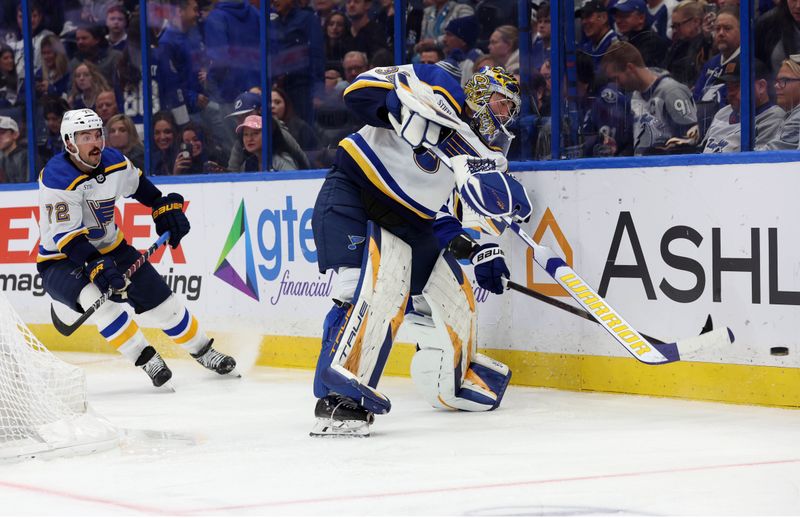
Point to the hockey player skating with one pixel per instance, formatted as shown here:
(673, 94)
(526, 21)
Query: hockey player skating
(381, 221)
(82, 253)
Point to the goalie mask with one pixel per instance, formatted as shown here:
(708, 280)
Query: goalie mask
(493, 96)
(76, 121)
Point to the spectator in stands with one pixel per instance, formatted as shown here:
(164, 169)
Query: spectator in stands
(231, 34)
(92, 47)
(87, 83)
(787, 88)
(540, 48)
(597, 33)
(302, 132)
(122, 135)
(504, 47)
(777, 35)
(117, 25)
(50, 144)
(53, 78)
(13, 157)
(605, 127)
(282, 159)
(438, 15)
(165, 148)
(429, 53)
(325, 8)
(94, 11)
(690, 49)
(298, 56)
(709, 93)
(248, 103)
(9, 82)
(337, 38)
(178, 73)
(250, 130)
(660, 12)
(334, 85)
(354, 63)
(631, 19)
(662, 108)
(106, 105)
(724, 134)
(14, 38)
(459, 40)
(368, 35)
(197, 154)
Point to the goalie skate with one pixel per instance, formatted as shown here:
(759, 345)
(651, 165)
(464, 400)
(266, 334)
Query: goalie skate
(216, 361)
(339, 416)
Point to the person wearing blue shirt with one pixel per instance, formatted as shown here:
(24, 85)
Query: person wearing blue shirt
(298, 56)
(598, 35)
(177, 71)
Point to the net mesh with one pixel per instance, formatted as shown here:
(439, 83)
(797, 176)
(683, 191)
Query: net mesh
(43, 405)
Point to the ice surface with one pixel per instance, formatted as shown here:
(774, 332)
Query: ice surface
(228, 446)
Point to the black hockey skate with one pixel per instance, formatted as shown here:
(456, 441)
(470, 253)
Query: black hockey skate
(214, 360)
(155, 367)
(339, 416)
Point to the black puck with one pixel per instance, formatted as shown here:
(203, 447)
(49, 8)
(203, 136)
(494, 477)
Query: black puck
(779, 351)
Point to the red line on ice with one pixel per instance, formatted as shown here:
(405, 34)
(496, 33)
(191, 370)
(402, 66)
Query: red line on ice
(482, 486)
(85, 498)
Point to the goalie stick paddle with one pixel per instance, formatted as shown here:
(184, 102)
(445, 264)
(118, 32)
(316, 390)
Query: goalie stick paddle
(67, 329)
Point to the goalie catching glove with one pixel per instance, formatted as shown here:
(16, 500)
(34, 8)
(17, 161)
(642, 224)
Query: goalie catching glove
(168, 216)
(488, 191)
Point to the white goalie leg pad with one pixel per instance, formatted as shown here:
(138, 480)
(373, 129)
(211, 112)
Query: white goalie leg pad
(363, 344)
(447, 369)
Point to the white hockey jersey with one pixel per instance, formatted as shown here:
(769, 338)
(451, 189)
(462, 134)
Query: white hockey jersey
(72, 203)
(420, 183)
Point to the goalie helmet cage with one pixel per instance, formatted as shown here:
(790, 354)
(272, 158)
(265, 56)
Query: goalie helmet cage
(43, 405)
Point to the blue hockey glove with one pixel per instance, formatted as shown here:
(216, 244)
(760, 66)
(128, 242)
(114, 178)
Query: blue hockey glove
(490, 267)
(104, 274)
(168, 215)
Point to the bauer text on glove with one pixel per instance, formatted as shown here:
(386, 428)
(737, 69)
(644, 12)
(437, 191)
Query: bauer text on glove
(490, 267)
(104, 274)
(168, 215)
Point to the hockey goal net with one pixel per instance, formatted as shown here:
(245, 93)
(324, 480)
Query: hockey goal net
(43, 406)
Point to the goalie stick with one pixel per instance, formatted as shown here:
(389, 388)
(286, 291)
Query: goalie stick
(418, 97)
(67, 329)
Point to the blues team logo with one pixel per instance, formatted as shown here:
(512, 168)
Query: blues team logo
(355, 241)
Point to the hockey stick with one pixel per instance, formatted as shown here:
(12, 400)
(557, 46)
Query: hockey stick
(637, 345)
(708, 326)
(68, 329)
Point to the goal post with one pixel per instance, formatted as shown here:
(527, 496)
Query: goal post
(43, 405)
